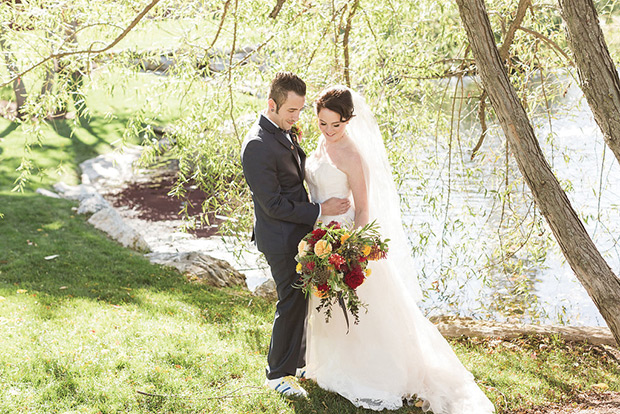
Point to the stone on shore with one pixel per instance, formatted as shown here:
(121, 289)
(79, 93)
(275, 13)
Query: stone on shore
(110, 222)
(199, 267)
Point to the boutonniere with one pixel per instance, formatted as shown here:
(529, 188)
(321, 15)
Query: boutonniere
(296, 133)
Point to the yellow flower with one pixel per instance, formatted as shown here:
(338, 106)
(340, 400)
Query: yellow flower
(366, 250)
(368, 272)
(302, 248)
(344, 237)
(298, 268)
(322, 248)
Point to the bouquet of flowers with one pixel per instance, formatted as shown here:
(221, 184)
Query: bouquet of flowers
(332, 263)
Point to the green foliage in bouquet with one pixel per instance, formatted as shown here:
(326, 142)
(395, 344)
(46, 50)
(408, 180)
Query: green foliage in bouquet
(333, 263)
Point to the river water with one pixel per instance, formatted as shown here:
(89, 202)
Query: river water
(482, 253)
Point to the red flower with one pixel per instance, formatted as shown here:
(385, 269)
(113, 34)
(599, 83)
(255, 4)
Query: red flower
(336, 260)
(361, 259)
(354, 277)
(323, 287)
(310, 265)
(318, 234)
(334, 224)
(376, 253)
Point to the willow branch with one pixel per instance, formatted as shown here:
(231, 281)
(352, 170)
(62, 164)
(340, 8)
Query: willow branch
(503, 54)
(230, 62)
(219, 29)
(327, 27)
(516, 23)
(550, 42)
(90, 50)
(345, 42)
(483, 123)
(276, 10)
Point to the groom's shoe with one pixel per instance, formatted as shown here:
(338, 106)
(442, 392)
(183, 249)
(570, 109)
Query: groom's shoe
(287, 386)
(301, 373)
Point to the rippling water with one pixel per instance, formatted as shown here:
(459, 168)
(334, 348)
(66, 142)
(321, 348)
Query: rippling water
(458, 236)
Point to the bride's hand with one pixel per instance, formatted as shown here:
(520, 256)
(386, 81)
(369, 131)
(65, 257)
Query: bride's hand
(335, 206)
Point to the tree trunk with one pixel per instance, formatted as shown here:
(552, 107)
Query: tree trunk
(598, 75)
(593, 272)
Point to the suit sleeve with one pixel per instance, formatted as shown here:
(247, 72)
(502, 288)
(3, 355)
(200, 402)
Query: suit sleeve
(259, 168)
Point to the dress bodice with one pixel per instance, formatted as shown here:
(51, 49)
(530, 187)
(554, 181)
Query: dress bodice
(325, 181)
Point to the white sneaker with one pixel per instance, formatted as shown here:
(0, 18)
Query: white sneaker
(286, 386)
(300, 373)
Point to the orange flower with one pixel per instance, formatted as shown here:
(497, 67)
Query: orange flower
(322, 248)
(366, 250)
(319, 293)
(344, 237)
(368, 272)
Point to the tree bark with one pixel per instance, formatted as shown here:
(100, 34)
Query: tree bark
(598, 75)
(593, 272)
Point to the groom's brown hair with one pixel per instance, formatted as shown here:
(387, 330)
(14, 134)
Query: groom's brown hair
(282, 84)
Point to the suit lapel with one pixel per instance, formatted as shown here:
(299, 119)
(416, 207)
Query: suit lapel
(302, 161)
(279, 136)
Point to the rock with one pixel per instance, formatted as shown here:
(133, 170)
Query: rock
(454, 327)
(93, 204)
(267, 290)
(110, 222)
(201, 268)
(47, 193)
(111, 169)
(77, 193)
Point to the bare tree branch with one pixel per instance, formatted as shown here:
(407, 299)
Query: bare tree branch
(276, 10)
(345, 42)
(550, 42)
(516, 23)
(89, 51)
(483, 123)
(219, 29)
(230, 64)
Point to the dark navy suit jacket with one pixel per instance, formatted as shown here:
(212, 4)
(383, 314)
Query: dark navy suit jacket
(282, 211)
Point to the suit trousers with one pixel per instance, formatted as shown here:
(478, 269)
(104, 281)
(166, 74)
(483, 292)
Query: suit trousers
(287, 350)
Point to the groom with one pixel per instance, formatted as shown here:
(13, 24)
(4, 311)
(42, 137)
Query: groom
(273, 165)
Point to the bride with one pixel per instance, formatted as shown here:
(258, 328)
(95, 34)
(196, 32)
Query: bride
(394, 352)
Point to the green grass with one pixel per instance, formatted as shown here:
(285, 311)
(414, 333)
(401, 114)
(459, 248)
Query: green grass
(66, 143)
(537, 370)
(86, 331)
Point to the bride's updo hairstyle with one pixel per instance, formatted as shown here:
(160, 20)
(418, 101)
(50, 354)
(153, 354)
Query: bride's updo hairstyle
(338, 99)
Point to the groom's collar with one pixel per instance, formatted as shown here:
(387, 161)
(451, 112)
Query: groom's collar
(268, 124)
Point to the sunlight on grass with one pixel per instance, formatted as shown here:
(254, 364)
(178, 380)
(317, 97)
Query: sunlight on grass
(90, 329)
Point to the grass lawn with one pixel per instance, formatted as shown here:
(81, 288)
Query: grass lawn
(90, 329)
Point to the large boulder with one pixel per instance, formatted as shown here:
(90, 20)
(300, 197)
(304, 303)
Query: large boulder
(110, 222)
(200, 267)
(267, 290)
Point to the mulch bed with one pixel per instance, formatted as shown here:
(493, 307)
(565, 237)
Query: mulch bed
(151, 202)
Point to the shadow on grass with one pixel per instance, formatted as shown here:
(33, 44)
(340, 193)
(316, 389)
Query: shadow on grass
(10, 128)
(321, 401)
(90, 266)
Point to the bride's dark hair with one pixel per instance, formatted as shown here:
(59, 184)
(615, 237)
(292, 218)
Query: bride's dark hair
(338, 99)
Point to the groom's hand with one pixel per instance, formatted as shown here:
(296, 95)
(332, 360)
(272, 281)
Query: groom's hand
(335, 206)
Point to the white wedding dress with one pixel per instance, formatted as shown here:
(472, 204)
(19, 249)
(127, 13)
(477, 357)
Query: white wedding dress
(394, 351)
